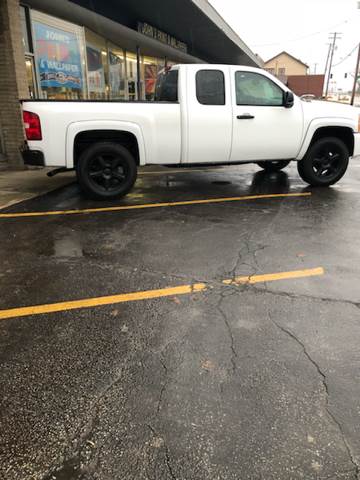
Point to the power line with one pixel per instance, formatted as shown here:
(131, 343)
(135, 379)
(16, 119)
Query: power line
(296, 39)
(347, 56)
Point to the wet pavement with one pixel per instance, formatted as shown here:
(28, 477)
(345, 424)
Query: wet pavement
(19, 185)
(233, 382)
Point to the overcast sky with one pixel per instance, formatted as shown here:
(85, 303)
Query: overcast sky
(300, 27)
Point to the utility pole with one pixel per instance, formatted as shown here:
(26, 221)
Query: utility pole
(356, 77)
(315, 66)
(335, 36)
(327, 60)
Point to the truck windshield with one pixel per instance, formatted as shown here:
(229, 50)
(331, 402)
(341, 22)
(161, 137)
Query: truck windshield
(166, 89)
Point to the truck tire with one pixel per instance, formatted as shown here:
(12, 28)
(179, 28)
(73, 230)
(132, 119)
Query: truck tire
(106, 170)
(325, 162)
(273, 166)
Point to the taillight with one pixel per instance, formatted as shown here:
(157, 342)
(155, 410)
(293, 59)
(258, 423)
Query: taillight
(32, 126)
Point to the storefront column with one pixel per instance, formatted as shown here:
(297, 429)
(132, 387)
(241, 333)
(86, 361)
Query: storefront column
(138, 75)
(13, 83)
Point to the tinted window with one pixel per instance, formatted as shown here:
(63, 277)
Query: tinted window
(166, 89)
(210, 87)
(255, 89)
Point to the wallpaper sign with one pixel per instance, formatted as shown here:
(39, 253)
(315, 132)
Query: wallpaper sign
(58, 57)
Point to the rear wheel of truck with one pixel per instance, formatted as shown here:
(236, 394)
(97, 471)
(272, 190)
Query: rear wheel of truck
(273, 166)
(325, 162)
(106, 170)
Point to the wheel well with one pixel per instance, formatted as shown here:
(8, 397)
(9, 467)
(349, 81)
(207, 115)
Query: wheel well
(343, 133)
(84, 139)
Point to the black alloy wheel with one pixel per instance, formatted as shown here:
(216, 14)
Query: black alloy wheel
(106, 170)
(325, 163)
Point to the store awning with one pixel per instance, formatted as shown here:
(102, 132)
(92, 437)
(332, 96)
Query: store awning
(194, 22)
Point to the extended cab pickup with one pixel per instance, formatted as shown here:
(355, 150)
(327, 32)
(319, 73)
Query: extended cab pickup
(202, 114)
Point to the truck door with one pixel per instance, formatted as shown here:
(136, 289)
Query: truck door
(263, 129)
(208, 117)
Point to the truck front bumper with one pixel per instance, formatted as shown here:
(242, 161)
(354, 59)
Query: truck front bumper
(33, 157)
(356, 144)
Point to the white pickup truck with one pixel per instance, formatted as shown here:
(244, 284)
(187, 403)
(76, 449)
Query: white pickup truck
(202, 114)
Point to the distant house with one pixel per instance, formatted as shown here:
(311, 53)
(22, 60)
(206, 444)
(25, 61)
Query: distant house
(294, 73)
(284, 65)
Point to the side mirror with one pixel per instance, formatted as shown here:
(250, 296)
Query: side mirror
(288, 100)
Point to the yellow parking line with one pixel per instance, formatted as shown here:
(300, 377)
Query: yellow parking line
(154, 205)
(96, 302)
(149, 294)
(271, 277)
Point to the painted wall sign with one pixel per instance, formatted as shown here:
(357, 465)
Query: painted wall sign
(163, 37)
(58, 57)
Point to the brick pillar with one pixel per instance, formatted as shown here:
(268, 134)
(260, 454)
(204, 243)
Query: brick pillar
(13, 82)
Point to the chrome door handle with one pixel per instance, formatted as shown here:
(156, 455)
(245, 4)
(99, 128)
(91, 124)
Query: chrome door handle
(245, 116)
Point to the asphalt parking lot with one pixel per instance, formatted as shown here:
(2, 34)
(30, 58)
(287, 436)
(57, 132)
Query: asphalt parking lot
(213, 338)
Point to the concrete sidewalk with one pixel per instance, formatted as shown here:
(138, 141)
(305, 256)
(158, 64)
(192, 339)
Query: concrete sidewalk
(19, 185)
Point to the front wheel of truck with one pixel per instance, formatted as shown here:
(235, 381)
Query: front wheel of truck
(106, 170)
(325, 163)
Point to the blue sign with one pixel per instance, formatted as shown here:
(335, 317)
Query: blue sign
(58, 57)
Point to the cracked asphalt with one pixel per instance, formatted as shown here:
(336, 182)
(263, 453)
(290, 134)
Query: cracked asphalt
(236, 382)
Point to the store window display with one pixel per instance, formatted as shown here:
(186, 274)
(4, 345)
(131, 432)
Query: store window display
(58, 50)
(131, 76)
(117, 76)
(150, 68)
(97, 66)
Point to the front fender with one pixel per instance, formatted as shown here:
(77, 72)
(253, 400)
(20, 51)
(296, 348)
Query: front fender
(317, 123)
(78, 127)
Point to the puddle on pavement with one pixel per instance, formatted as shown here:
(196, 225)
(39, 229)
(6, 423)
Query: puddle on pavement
(67, 245)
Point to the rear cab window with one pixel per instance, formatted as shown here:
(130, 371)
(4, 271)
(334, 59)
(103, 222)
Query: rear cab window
(210, 87)
(166, 89)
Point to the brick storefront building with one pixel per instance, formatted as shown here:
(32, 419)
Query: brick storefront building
(13, 83)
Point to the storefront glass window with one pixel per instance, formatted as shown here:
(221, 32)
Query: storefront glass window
(30, 76)
(97, 65)
(58, 57)
(150, 67)
(72, 62)
(96, 73)
(116, 73)
(24, 29)
(131, 75)
(29, 56)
